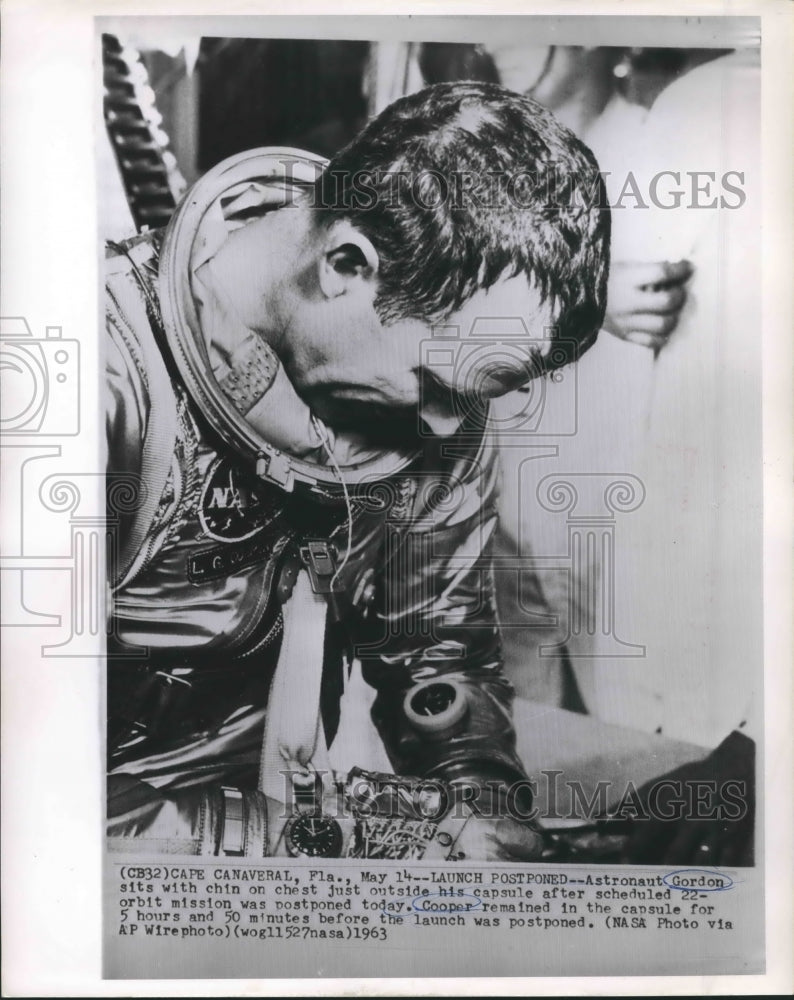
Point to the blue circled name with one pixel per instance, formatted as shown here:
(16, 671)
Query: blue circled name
(443, 902)
(697, 879)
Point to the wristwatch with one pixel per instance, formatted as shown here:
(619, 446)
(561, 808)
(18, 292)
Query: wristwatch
(310, 832)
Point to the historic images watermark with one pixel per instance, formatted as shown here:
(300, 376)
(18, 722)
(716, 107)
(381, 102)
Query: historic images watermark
(461, 190)
(668, 799)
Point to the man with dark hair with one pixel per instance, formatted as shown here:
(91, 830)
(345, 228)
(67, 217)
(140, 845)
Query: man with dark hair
(453, 173)
(299, 371)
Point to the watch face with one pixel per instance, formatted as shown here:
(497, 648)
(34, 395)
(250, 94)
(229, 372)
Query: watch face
(314, 835)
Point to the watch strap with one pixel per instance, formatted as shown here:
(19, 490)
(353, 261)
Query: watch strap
(233, 830)
(307, 792)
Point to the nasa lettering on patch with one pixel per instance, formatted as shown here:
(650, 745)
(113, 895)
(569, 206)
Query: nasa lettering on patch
(232, 508)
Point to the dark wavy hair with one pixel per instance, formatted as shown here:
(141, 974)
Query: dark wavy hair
(463, 183)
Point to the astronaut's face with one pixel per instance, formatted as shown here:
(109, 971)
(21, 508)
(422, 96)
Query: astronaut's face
(358, 373)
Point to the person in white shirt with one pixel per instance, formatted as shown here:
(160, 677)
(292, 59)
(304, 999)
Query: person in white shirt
(671, 395)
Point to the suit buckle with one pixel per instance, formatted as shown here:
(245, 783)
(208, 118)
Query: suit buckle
(319, 559)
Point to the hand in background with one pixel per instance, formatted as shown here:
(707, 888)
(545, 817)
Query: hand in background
(644, 300)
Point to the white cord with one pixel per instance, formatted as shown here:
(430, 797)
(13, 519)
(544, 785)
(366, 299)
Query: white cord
(322, 431)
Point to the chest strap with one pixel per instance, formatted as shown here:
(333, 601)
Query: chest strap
(293, 739)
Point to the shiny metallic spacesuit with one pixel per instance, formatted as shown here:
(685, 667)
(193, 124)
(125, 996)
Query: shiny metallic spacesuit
(233, 495)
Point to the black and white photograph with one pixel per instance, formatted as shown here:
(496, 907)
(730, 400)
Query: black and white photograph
(438, 537)
(421, 560)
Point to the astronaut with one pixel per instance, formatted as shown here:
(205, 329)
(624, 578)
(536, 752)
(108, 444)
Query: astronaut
(301, 473)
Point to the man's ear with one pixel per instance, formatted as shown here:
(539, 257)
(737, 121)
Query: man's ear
(348, 259)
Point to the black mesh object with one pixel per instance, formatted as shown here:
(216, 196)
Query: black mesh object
(148, 171)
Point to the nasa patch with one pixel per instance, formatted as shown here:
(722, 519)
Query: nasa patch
(232, 508)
